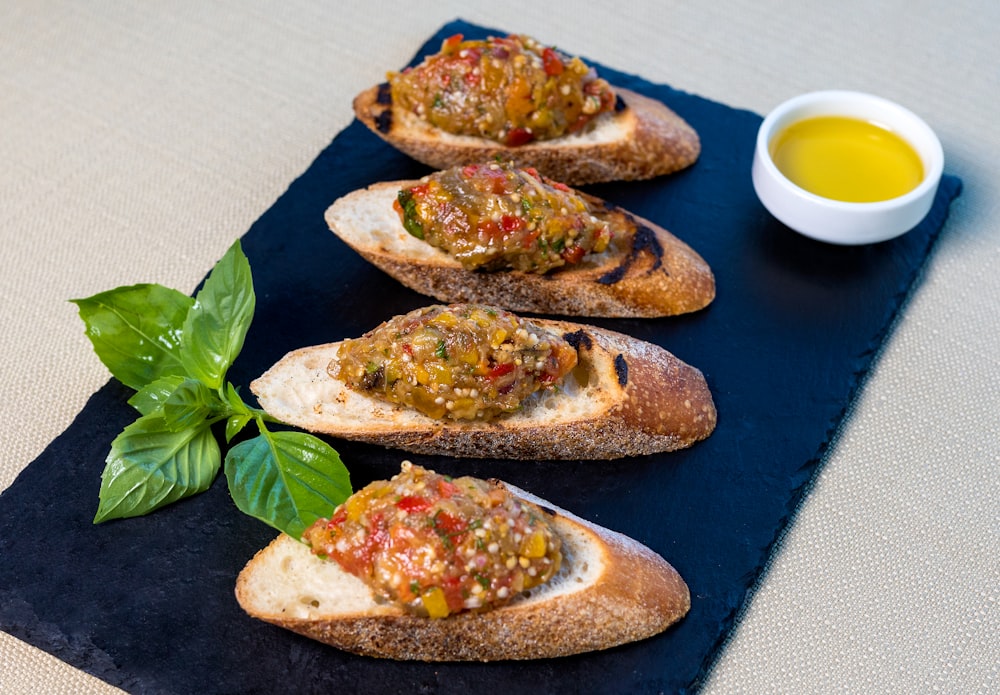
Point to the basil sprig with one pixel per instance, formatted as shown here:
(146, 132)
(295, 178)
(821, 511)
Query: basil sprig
(174, 351)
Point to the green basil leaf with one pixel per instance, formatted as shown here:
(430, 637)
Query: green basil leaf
(136, 331)
(235, 425)
(240, 414)
(151, 397)
(218, 321)
(190, 405)
(150, 467)
(286, 479)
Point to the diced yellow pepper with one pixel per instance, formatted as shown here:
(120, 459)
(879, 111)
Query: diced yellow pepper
(445, 318)
(435, 603)
(354, 506)
(534, 545)
(423, 376)
(470, 357)
(440, 374)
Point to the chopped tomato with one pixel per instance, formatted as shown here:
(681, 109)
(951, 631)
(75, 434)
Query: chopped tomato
(489, 229)
(446, 488)
(531, 238)
(451, 525)
(573, 254)
(519, 136)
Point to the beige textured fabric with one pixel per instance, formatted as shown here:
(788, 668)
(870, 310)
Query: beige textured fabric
(137, 140)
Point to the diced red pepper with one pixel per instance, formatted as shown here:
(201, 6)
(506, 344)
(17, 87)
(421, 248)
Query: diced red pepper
(414, 503)
(511, 223)
(500, 369)
(451, 43)
(552, 62)
(338, 518)
(559, 186)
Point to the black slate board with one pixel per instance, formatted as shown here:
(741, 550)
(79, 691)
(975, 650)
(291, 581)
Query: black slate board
(147, 604)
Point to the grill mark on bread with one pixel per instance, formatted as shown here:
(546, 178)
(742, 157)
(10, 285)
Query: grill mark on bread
(384, 94)
(382, 117)
(643, 240)
(383, 121)
(621, 370)
(579, 340)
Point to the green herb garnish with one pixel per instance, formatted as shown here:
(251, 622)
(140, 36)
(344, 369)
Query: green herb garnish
(441, 351)
(175, 351)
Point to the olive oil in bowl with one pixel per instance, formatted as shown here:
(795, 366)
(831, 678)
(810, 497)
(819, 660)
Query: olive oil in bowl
(847, 159)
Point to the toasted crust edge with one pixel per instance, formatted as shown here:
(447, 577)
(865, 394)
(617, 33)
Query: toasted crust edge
(638, 595)
(653, 141)
(665, 278)
(651, 402)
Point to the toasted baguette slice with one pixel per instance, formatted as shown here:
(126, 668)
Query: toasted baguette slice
(610, 590)
(626, 397)
(641, 139)
(650, 273)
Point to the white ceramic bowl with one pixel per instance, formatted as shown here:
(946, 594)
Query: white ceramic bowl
(836, 221)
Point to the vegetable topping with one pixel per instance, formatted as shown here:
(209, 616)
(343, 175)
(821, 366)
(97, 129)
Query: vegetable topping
(512, 90)
(497, 216)
(437, 545)
(462, 361)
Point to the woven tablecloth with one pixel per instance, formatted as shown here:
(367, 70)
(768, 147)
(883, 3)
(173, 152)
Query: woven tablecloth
(137, 140)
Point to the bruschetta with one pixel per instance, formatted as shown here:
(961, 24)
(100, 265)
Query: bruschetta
(517, 99)
(497, 233)
(360, 581)
(614, 396)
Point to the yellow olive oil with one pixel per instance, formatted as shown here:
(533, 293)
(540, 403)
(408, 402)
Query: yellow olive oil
(846, 159)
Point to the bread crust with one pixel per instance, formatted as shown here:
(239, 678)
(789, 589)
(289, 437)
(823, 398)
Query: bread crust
(650, 274)
(641, 140)
(626, 397)
(619, 591)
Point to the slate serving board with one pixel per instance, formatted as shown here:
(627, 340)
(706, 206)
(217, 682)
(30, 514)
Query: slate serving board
(147, 604)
